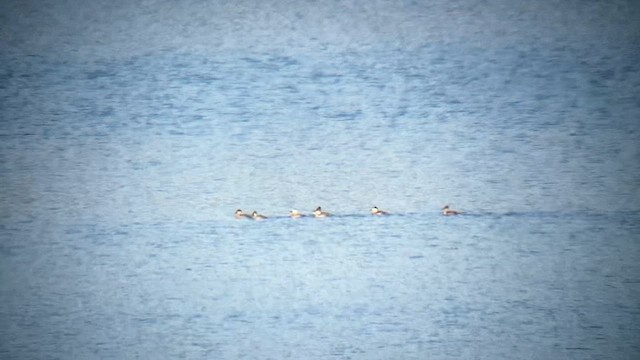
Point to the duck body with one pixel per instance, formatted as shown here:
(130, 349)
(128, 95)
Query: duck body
(446, 211)
(241, 215)
(376, 211)
(319, 213)
(296, 214)
(257, 216)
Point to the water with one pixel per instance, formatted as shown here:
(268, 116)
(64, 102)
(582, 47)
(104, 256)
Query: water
(131, 133)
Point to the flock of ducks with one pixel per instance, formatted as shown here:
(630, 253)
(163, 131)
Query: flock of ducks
(319, 213)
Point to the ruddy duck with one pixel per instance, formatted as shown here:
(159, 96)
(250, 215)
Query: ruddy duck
(296, 214)
(319, 213)
(447, 211)
(257, 216)
(241, 215)
(376, 211)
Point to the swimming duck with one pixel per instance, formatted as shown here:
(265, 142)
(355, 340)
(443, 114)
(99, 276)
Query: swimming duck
(447, 211)
(296, 214)
(376, 211)
(241, 215)
(319, 213)
(257, 216)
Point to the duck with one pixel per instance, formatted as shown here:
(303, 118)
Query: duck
(257, 216)
(376, 211)
(296, 214)
(319, 213)
(241, 215)
(447, 211)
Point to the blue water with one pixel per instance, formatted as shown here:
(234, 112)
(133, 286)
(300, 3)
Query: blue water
(130, 133)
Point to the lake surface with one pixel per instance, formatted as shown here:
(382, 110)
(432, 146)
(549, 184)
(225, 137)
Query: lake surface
(130, 133)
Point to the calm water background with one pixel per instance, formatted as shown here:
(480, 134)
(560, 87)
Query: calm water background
(130, 133)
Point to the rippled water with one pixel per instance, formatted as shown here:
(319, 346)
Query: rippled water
(122, 160)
